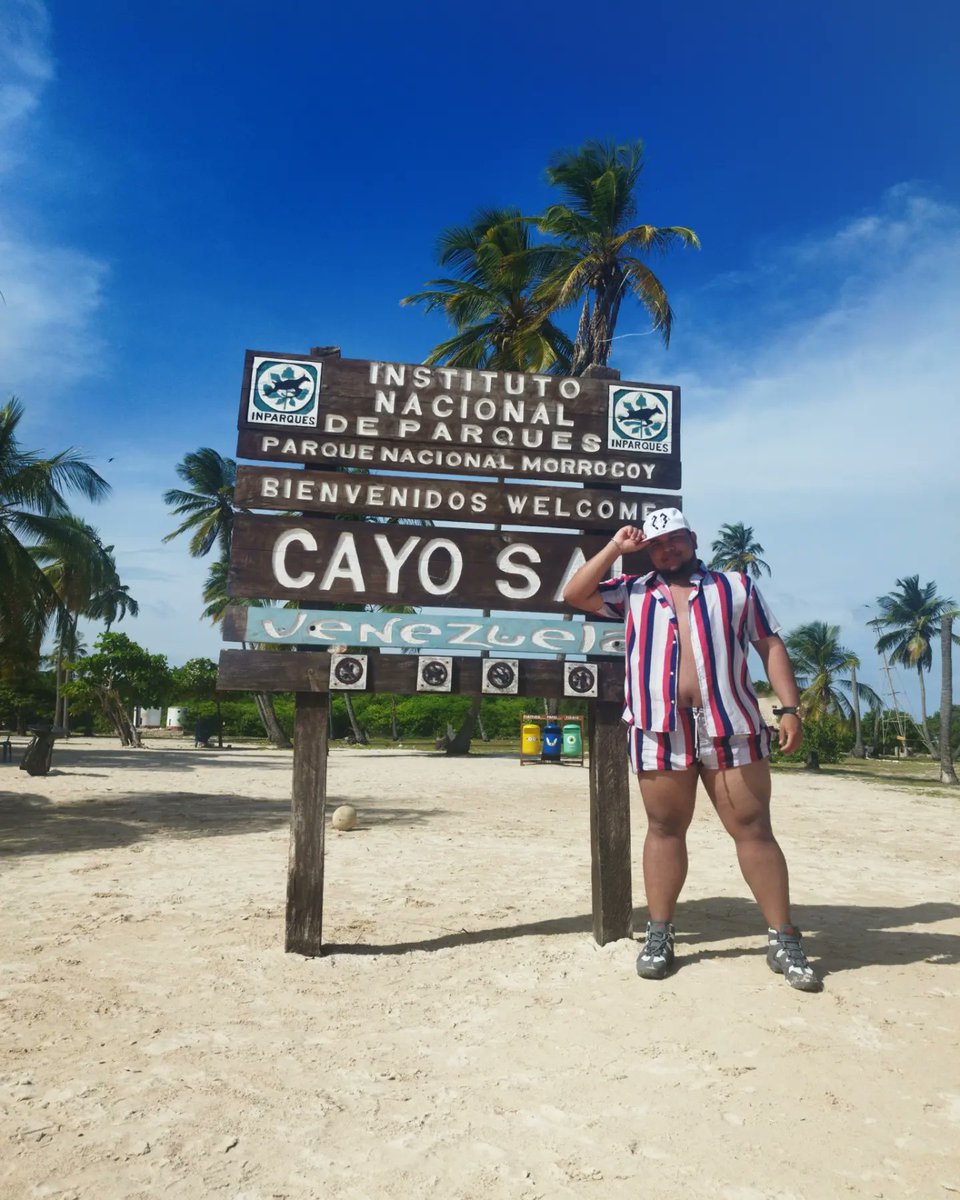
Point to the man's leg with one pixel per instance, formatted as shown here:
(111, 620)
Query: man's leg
(741, 796)
(668, 797)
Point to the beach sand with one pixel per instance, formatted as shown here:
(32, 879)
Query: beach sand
(464, 1037)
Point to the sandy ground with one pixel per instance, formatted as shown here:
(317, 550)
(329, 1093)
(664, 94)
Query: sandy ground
(465, 1037)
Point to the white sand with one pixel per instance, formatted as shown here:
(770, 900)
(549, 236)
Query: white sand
(465, 1038)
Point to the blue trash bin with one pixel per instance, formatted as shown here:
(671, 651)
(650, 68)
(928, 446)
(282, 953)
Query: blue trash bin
(551, 742)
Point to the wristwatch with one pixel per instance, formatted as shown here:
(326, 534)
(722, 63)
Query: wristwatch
(786, 711)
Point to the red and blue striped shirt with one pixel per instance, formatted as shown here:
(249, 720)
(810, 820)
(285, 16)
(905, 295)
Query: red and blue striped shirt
(727, 613)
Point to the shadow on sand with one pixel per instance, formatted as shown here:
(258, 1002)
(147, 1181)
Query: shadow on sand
(843, 937)
(32, 824)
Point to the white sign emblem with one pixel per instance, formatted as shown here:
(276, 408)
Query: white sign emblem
(639, 420)
(283, 392)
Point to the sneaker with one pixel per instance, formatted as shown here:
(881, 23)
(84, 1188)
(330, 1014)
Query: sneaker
(785, 956)
(656, 957)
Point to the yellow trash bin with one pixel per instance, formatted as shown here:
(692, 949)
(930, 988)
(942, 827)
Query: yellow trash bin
(530, 740)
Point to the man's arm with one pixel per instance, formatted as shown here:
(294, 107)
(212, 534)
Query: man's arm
(581, 590)
(776, 663)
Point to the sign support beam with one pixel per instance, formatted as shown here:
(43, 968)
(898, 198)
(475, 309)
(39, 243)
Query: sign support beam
(304, 931)
(609, 824)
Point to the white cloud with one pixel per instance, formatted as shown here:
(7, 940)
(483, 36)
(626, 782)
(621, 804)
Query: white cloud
(26, 67)
(48, 336)
(820, 406)
(51, 292)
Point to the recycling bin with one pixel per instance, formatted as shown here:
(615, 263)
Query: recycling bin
(530, 740)
(551, 742)
(572, 740)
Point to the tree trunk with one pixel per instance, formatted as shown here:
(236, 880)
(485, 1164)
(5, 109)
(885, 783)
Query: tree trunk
(39, 754)
(813, 761)
(923, 728)
(948, 773)
(271, 725)
(394, 727)
(219, 724)
(460, 742)
(858, 750)
(358, 734)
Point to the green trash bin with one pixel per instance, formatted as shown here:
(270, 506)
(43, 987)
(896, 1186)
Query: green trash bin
(572, 740)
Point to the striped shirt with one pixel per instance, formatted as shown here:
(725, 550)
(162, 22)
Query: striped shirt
(727, 613)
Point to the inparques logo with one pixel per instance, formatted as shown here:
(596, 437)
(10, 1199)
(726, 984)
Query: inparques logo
(284, 392)
(639, 420)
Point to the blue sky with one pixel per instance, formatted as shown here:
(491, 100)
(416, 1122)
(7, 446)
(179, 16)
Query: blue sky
(183, 181)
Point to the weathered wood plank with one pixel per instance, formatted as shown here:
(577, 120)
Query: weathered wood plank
(376, 391)
(234, 624)
(439, 633)
(304, 926)
(316, 559)
(294, 490)
(410, 417)
(422, 458)
(262, 671)
(610, 823)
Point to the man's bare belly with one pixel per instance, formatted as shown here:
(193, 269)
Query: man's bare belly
(688, 685)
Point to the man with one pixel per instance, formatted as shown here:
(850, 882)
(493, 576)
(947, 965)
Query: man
(693, 715)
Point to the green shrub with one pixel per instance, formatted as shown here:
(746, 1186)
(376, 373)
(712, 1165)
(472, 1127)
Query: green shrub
(828, 736)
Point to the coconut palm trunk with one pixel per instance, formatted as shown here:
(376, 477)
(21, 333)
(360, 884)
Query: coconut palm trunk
(358, 734)
(858, 750)
(923, 728)
(460, 742)
(272, 727)
(948, 772)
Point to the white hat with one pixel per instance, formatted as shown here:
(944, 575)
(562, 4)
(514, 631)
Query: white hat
(664, 520)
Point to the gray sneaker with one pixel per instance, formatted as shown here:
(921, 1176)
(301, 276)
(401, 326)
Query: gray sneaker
(656, 957)
(785, 956)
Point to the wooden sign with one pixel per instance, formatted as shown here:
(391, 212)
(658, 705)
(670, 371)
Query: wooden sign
(253, 670)
(405, 417)
(296, 490)
(315, 559)
(421, 631)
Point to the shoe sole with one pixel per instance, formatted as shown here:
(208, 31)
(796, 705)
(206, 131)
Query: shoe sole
(815, 985)
(654, 972)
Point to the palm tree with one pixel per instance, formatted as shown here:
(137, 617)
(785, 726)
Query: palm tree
(208, 508)
(208, 511)
(600, 255)
(217, 602)
(499, 307)
(912, 614)
(500, 323)
(948, 772)
(819, 662)
(33, 510)
(112, 601)
(83, 573)
(736, 550)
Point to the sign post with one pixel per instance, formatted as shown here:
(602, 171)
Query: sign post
(515, 466)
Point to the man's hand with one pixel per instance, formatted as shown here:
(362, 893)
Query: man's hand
(791, 733)
(629, 539)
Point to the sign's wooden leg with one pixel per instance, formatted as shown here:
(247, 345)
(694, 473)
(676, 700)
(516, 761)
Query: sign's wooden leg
(305, 867)
(610, 823)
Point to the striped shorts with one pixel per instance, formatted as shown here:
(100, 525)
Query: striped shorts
(689, 743)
